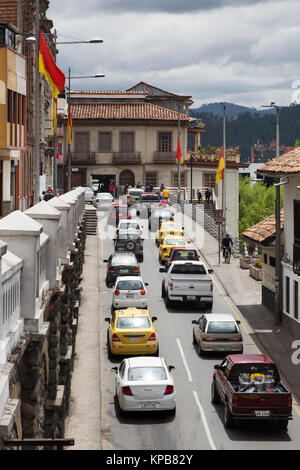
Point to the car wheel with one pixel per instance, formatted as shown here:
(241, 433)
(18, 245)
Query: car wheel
(215, 397)
(157, 351)
(141, 258)
(109, 353)
(228, 418)
(209, 306)
(163, 290)
(172, 413)
(194, 338)
(283, 424)
(111, 284)
(169, 302)
(120, 412)
(200, 350)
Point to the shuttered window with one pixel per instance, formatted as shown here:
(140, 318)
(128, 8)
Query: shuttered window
(82, 142)
(105, 142)
(164, 142)
(127, 142)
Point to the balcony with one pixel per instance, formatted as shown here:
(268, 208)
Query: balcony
(83, 158)
(164, 157)
(296, 259)
(119, 158)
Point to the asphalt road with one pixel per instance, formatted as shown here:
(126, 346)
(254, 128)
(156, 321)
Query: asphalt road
(198, 424)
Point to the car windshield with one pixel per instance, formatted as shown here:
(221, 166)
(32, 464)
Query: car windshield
(128, 225)
(141, 374)
(163, 214)
(175, 241)
(133, 322)
(221, 327)
(188, 269)
(130, 285)
(185, 254)
(104, 196)
(150, 197)
(135, 193)
(124, 261)
(171, 227)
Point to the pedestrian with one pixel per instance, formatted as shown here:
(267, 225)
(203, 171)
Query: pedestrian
(42, 195)
(111, 188)
(207, 195)
(138, 184)
(49, 194)
(162, 187)
(165, 194)
(199, 195)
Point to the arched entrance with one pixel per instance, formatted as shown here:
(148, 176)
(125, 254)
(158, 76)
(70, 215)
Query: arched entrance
(126, 178)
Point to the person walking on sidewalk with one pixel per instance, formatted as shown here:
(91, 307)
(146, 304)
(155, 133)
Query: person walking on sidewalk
(207, 195)
(226, 245)
(199, 195)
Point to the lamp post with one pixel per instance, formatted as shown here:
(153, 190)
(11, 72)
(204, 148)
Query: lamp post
(277, 184)
(98, 75)
(224, 179)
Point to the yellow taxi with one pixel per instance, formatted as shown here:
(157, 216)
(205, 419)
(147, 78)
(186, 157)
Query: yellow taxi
(168, 228)
(167, 243)
(131, 332)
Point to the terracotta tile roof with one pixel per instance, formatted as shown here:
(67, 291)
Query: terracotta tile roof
(265, 230)
(9, 11)
(286, 164)
(137, 111)
(160, 89)
(103, 92)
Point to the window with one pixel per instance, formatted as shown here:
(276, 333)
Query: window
(265, 258)
(287, 294)
(151, 178)
(127, 142)
(296, 299)
(82, 142)
(164, 141)
(182, 179)
(105, 142)
(297, 222)
(272, 261)
(209, 180)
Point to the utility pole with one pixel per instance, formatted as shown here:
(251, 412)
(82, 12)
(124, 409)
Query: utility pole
(178, 160)
(224, 179)
(69, 145)
(54, 135)
(36, 190)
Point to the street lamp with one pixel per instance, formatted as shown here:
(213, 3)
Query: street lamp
(277, 184)
(224, 178)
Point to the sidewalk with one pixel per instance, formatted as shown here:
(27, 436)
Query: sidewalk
(245, 292)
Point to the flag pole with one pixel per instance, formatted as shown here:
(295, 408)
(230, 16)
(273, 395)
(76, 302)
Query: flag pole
(178, 160)
(55, 135)
(224, 172)
(36, 187)
(69, 146)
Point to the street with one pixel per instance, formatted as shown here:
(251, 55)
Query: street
(198, 424)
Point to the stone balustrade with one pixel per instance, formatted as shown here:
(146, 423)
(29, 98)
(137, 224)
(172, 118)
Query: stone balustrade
(41, 258)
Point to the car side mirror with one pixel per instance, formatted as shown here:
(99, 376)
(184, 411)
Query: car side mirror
(210, 271)
(195, 322)
(107, 319)
(238, 322)
(171, 368)
(162, 270)
(153, 318)
(114, 369)
(142, 239)
(114, 239)
(105, 261)
(217, 367)
(146, 284)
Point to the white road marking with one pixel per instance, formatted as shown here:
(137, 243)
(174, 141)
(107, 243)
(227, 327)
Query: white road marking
(208, 434)
(184, 360)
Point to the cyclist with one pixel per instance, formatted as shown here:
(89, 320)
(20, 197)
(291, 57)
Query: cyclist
(227, 243)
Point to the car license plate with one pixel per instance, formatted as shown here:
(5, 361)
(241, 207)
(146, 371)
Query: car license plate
(262, 413)
(191, 297)
(149, 404)
(122, 271)
(130, 296)
(133, 339)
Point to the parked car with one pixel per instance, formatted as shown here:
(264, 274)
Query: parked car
(89, 195)
(186, 281)
(130, 240)
(168, 228)
(121, 264)
(250, 387)
(217, 332)
(133, 196)
(144, 384)
(167, 243)
(143, 207)
(103, 201)
(131, 224)
(131, 331)
(180, 253)
(129, 291)
(117, 213)
(158, 216)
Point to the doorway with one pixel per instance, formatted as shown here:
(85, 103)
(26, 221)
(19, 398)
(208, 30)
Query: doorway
(105, 180)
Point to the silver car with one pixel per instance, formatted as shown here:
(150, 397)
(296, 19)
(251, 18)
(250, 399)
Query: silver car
(103, 201)
(133, 196)
(89, 195)
(217, 332)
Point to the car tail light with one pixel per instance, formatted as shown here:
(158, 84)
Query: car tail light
(234, 400)
(171, 286)
(165, 250)
(136, 269)
(129, 197)
(211, 287)
(115, 337)
(169, 389)
(111, 270)
(112, 200)
(152, 337)
(117, 292)
(143, 292)
(237, 339)
(126, 391)
(290, 400)
(205, 338)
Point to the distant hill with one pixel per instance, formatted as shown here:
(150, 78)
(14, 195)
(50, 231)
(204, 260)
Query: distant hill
(232, 110)
(245, 129)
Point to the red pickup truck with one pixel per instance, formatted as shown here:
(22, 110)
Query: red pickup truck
(250, 387)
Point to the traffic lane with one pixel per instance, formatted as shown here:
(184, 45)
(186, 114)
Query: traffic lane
(145, 431)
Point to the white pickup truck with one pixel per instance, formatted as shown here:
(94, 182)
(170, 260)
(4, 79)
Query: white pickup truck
(187, 281)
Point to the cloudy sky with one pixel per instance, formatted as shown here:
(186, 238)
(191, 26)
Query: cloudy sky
(240, 51)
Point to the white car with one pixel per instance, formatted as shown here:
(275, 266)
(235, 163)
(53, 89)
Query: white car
(129, 291)
(129, 224)
(134, 195)
(89, 195)
(145, 384)
(217, 332)
(103, 201)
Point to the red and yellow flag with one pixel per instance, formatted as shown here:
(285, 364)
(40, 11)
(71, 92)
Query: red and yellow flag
(220, 169)
(69, 127)
(48, 67)
(178, 151)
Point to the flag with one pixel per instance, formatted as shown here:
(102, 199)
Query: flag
(59, 156)
(178, 151)
(221, 166)
(54, 115)
(48, 67)
(69, 127)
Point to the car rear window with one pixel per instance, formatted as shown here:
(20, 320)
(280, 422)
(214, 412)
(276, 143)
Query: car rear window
(188, 269)
(185, 254)
(133, 322)
(135, 193)
(140, 374)
(104, 196)
(175, 241)
(124, 261)
(130, 285)
(171, 227)
(128, 225)
(150, 197)
(221, 327)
